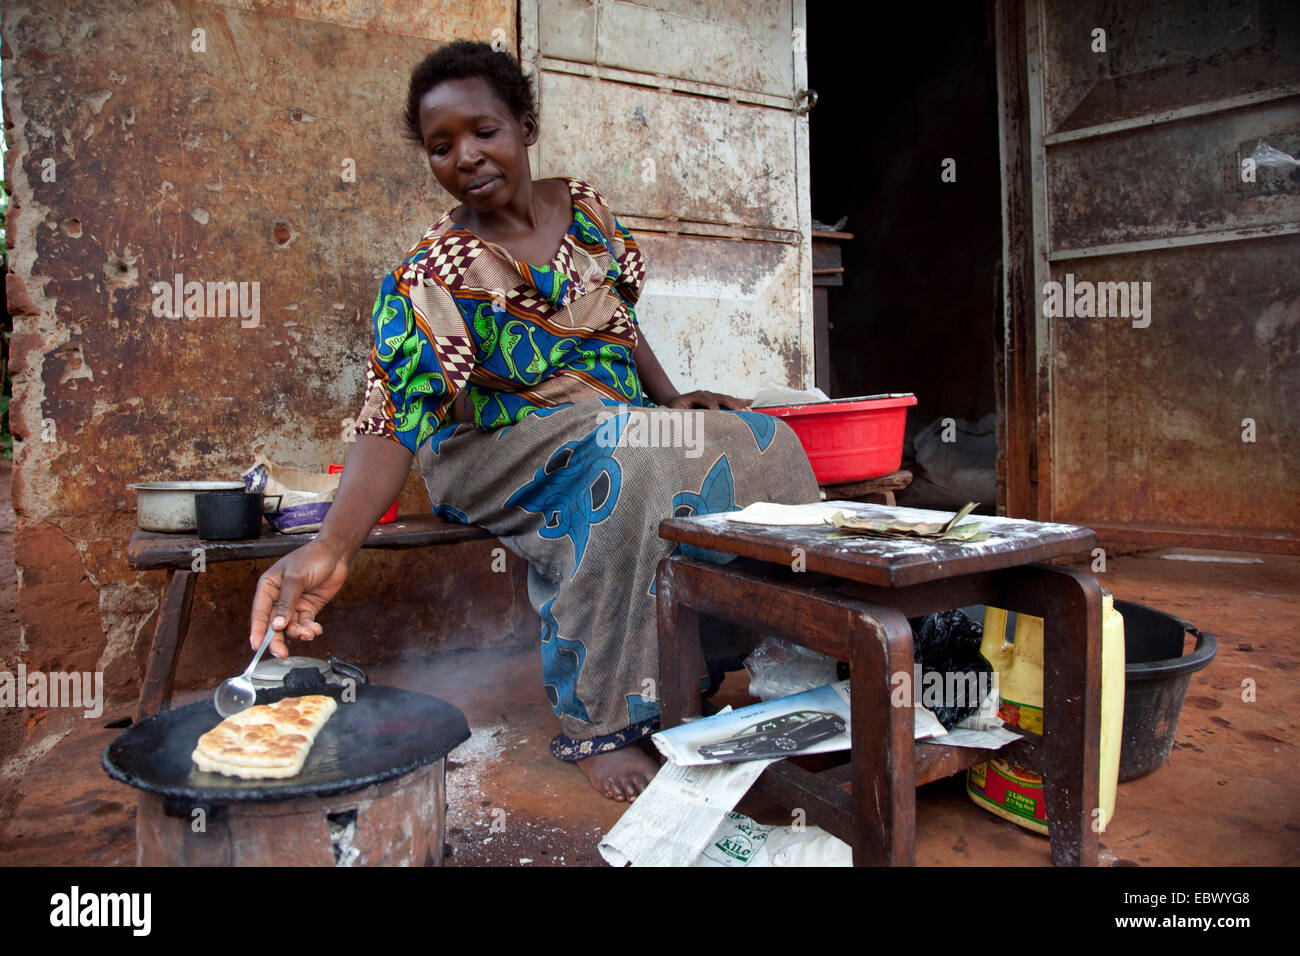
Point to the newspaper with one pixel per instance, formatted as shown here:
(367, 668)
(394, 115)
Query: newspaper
(739, 841)
(813, 722)
(981, 729)
(683, 818)
(676, 816)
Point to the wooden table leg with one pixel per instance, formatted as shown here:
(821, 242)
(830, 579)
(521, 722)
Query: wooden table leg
(1069, 602)
(884, 755)
(168, 635)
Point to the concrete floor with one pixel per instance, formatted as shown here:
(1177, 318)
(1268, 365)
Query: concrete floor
(1228, 795)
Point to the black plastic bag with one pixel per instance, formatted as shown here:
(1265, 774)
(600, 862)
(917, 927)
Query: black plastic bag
(949, 643)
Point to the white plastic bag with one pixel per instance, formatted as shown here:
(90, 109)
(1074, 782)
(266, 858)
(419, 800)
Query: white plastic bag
(778, 668)
(774, 394)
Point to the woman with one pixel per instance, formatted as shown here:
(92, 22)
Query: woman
(507, 358)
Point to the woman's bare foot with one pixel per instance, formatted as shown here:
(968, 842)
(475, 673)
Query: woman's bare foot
(619, 774)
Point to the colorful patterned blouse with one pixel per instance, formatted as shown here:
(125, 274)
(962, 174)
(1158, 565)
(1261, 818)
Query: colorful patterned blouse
(460, 313)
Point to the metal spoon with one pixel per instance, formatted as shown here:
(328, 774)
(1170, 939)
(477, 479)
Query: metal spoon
(236, 694)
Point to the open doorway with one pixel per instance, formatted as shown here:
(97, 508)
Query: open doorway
(904, 143)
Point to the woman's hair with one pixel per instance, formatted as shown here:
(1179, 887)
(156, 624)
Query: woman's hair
(461, 60)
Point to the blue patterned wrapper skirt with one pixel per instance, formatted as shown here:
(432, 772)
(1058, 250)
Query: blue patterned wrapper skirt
(578, 492)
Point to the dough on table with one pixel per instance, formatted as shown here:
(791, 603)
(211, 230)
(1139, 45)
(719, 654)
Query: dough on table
(771, 513)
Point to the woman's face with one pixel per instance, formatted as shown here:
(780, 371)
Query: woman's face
(477, 149)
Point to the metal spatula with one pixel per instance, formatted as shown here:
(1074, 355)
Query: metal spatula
(236, 694)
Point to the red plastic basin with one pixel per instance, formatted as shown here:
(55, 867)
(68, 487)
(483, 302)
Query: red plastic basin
(849, 439)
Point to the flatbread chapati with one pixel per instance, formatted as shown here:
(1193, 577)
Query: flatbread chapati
(266, 741)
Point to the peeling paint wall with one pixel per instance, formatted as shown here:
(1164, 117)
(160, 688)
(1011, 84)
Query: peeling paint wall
(683, 114)
(214, 140)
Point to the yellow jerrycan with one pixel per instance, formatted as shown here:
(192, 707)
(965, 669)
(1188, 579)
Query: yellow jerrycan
(1011, 791)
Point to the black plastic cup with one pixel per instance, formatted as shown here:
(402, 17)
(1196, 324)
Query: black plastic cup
(229, 515)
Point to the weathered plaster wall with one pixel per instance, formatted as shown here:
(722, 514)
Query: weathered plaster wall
(134, 156)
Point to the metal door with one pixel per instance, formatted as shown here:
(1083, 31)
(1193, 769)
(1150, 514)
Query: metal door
(1150, 147)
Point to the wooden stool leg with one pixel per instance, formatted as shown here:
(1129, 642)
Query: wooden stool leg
(681, 660)
(884, 756)
(168, 635)
(879, 820)
(1069, 602)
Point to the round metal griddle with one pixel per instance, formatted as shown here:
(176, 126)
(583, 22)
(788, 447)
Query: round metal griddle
(384, 733)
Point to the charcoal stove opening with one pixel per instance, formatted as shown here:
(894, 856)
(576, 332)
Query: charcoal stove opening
(343, 830)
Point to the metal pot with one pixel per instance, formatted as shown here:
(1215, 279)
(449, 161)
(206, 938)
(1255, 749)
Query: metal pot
(169, 505)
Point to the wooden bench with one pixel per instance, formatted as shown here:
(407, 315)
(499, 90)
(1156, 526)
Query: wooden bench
(874, 490)
(176, 553)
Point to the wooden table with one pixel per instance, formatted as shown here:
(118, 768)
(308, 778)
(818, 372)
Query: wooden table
(180, 553)
(852, 602)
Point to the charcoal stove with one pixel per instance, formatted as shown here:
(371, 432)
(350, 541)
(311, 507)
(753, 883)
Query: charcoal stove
(372, 792)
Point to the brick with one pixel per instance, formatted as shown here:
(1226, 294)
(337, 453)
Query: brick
(20, 303)
(56, 601)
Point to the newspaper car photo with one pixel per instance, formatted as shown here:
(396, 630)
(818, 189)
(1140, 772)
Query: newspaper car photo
(777, 737)
(814, 721)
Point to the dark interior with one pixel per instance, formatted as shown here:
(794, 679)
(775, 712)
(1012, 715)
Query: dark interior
(921, 294)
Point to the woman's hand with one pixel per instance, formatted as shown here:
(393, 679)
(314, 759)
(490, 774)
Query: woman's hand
(701, 399)
(292, 592)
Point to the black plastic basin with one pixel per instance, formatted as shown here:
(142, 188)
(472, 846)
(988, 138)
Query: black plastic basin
(1156, 676)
